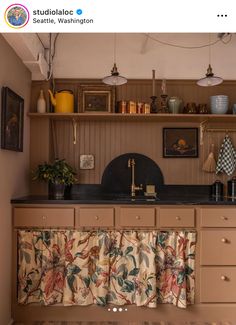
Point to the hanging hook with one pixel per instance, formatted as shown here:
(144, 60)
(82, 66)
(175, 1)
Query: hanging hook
(74, 123)
(202, 128)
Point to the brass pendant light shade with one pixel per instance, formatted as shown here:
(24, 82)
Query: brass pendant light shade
(210, 79)
(114, 79)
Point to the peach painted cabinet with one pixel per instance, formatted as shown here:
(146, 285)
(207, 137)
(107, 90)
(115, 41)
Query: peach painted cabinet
(215, 264)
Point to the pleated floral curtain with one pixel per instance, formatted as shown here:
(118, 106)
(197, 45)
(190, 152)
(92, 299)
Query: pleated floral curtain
(72, 267)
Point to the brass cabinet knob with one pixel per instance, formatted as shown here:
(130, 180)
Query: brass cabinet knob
(137, 217)
(44, 217)
(224, 218)
(96, 217)
(178, 218)
(223, 277)
(224, 240)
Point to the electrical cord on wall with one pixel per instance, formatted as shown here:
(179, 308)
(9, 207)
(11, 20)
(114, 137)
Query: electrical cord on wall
(52, 53)
(221, 38)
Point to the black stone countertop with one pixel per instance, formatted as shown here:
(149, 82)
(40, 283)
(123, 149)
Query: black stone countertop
(167, 194)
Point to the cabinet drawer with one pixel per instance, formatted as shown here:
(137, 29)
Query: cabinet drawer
(218, 217)
(43, 217)
(218, 247)
(137, 217)
(177, 217)
(96, 217)
(218, 284)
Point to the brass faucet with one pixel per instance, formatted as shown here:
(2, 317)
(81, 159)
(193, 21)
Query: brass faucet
(131, 164)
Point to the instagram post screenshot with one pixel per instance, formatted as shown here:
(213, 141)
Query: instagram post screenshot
(118, 162)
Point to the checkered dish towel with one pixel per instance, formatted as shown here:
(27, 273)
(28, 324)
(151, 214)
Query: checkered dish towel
(227, 157)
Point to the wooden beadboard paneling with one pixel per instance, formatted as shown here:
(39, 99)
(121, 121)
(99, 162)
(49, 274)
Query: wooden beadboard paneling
(39, 150)
(107, 140)
(141, 90)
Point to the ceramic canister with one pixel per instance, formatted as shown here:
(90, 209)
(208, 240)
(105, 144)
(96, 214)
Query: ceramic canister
(217, 189)
(231, 188)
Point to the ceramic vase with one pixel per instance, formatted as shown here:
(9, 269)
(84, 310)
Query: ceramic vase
(175, 105)
(41, 103)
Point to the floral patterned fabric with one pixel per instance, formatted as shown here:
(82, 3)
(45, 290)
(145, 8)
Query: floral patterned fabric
(144, 268)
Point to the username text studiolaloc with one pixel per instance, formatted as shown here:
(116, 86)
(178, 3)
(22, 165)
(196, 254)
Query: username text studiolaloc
(52, 12)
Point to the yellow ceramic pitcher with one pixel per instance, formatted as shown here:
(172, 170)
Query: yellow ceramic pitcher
(63, 101)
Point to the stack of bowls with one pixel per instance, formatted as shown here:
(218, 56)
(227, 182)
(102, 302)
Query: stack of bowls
(219, 104)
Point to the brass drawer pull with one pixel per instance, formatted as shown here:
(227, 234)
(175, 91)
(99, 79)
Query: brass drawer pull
(224, 278)
(178, 218)
(44, 218)
(138, 217)
(224, 240)
(224, 218)
(96, 217)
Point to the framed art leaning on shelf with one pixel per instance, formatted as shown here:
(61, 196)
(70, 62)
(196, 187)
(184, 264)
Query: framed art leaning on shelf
(96, 99)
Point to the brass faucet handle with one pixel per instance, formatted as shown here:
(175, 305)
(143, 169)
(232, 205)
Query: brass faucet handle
(131, 162)
(138, 188)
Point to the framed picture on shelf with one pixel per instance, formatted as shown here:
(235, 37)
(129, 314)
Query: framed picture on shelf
(12, 120)
(96, 99)
(180, 142)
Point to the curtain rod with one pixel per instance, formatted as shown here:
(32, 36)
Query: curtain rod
(219, 130)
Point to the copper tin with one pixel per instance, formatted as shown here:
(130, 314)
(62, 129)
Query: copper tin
(131, 107)
(122, 106)
(146, 109)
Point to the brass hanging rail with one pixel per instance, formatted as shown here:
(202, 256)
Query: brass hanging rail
(220, 130)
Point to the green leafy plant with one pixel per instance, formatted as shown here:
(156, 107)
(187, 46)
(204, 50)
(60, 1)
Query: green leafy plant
(58, 172)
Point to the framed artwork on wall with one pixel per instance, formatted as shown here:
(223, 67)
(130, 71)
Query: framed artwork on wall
(180, 142)
(86, 161)
(12, 120)
(96, 99)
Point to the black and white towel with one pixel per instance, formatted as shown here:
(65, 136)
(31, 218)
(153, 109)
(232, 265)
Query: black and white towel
(226, 162)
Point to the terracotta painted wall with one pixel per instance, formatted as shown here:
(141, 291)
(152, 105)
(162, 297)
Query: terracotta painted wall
(14, 169)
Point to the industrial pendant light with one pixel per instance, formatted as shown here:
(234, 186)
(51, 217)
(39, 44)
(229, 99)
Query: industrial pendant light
(114, 79)
(210, 79)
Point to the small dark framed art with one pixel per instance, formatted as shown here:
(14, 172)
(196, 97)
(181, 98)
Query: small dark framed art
(96, 99)
(180, 142)
(12, 120)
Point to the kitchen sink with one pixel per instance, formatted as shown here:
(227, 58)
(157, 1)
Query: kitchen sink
(139, 198)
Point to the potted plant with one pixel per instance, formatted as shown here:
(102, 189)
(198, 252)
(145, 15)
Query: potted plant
(58, 174)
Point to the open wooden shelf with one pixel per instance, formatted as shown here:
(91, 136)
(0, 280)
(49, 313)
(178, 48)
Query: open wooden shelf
(226, 118)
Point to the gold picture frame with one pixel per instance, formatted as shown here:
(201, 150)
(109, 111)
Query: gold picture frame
(96, 99)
